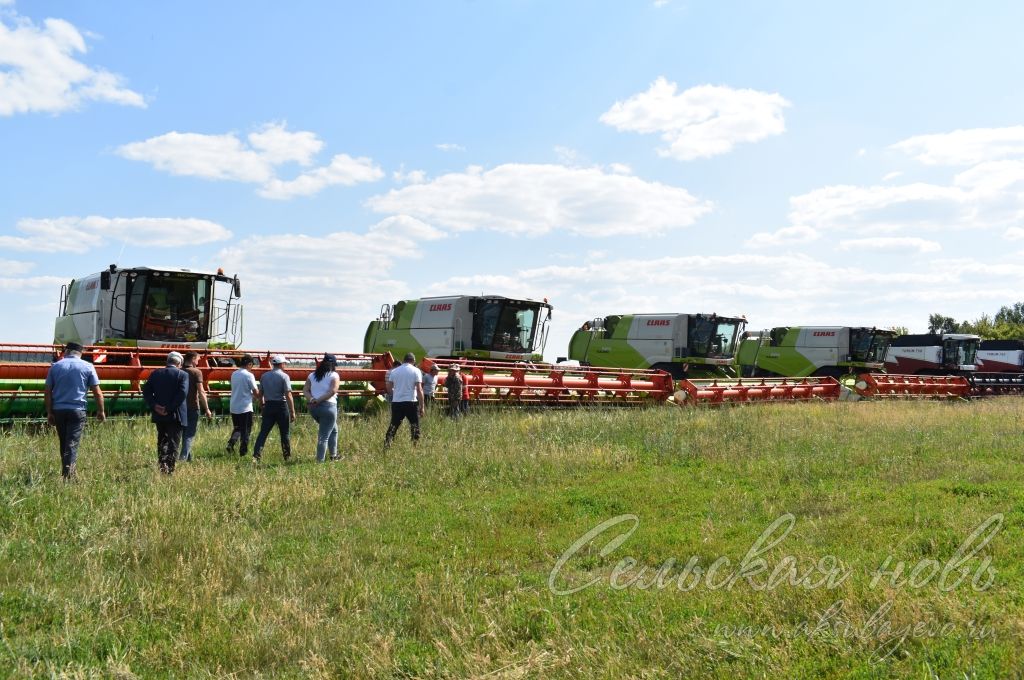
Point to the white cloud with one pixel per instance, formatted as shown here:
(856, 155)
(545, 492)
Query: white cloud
(879, 208)
(966, 147)
(406, 228)
(226, 157)
(39, 70)
(277, 145)
(1014, 234)
(988, 194)
(410, 177)
(783, 237)
(80, 234)
(702, 121)
(537, 199)
(206, 156)
(897, 244)
(567, 155)
(450, 147)
(892, 175)
(32, 283)
(15, 267)
(343, 170)
(290, 281)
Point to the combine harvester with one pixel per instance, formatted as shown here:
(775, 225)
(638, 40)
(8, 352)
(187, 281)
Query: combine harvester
(853, 355)
(800, 351)
(681, 344)
(484, 328)
(129, 318)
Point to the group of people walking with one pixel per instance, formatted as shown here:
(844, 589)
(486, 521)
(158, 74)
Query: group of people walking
(177, 400)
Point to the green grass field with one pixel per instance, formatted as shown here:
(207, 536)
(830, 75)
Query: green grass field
(437, 561)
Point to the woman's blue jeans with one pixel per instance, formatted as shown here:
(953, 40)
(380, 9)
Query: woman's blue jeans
(326, 416)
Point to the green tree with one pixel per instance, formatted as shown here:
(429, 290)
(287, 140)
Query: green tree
(937, 323)
(1013, 314)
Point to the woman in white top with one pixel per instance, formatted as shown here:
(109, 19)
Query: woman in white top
(321, 392)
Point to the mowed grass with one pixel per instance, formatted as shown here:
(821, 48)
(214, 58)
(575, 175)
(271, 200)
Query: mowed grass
(437, 561)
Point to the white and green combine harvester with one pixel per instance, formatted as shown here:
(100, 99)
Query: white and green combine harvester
(151, 307)
(801, 351)
(691, 345)
(484, 327)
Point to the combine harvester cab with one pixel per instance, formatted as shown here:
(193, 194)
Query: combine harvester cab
(486, 328)
(680, 344)
(148, 307)
(933, 354)
(1000, 367)
(818, 351)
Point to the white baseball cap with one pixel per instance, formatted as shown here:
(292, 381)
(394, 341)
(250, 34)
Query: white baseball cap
(279, 359)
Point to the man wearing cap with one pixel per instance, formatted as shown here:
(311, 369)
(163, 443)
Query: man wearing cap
(67, 383)
(405, 384)
(166, 392)
(278, 407)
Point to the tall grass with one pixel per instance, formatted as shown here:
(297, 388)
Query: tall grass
(435, 561)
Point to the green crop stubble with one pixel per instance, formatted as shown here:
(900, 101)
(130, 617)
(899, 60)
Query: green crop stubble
(435, 561)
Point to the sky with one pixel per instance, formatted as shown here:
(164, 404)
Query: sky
(801, 163)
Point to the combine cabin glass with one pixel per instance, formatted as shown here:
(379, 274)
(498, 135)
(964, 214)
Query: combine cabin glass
(933, 354)
(801, 351)
(146, 307)
(480, 327)
(682, 344)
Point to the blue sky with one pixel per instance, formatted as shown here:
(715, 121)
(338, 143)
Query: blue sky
(800, 163)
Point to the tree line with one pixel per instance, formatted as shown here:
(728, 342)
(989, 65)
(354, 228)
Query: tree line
(1007, 324)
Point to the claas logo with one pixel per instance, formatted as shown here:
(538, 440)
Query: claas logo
(824, 334)
(441, 307)
(659, 322)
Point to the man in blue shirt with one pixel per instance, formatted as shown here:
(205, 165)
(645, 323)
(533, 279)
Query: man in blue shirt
(67, 383)
(165, 393)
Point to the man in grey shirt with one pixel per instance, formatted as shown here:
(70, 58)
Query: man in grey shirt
(278, 407)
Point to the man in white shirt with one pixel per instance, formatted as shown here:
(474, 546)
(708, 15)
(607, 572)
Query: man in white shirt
(405, 384)
(243, 391)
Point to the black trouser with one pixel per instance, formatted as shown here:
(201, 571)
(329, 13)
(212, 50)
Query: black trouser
(242, 431)
(168, 436)
(70, 425)
(402, 410)
(274, 413)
